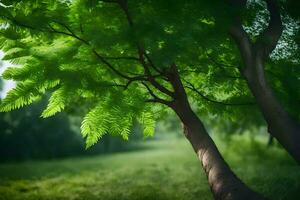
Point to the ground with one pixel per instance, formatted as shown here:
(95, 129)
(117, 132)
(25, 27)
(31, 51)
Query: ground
(165, 169)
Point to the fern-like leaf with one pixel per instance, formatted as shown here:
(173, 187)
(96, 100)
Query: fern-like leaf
(57, 102)
(147, 121)
(25, 93)
(94, 125)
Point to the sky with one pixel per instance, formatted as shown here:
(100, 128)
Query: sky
(8, 85)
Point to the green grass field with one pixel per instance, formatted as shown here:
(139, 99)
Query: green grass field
(166, 169)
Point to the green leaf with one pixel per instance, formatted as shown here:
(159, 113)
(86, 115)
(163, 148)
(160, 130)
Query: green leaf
(94, 125)
(57, 102)
(24, 94)
(148, 123)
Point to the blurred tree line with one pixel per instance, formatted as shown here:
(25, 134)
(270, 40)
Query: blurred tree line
(24, 135)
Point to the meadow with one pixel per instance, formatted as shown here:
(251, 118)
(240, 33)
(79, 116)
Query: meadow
(164, 169)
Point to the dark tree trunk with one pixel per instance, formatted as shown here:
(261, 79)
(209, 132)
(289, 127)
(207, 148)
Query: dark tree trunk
(224, 184)
(280, 124)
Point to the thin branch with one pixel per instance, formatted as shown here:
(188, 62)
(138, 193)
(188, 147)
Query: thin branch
(86, 42)
(101, 58)
(70, 33)
(109, 65)
(142, 54)
(150, 77)
(14, 21)
(193, 88)
(155, 99)
(137, 78)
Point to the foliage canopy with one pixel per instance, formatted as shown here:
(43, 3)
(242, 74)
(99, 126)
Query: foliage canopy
(102, 53)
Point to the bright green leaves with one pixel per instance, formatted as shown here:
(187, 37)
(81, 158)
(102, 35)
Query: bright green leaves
(121, 122)
(57, 102)
(94, 125)
(100, 121)
(146, 119)
(20, 73)
(14, 53)
(116, 120)
(25, 93)
(114, 114)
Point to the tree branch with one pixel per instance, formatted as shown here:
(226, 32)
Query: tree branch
(101, 58)
(71, 33)
(268, 39)
(243, 41)
(175, 80)
(150, 76)
(142, 54)
(155, 99)
(193, 88)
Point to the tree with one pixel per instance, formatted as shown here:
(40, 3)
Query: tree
(125, 60)
(255, 53)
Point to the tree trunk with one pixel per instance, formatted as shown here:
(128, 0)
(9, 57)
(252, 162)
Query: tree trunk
(280, 124)
(224, 184)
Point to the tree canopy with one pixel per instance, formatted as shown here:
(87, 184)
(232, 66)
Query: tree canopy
(113, 57)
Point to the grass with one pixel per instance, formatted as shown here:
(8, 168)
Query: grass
(167, 169)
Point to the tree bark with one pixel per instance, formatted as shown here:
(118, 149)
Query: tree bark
(280, 124)
(224, 184)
